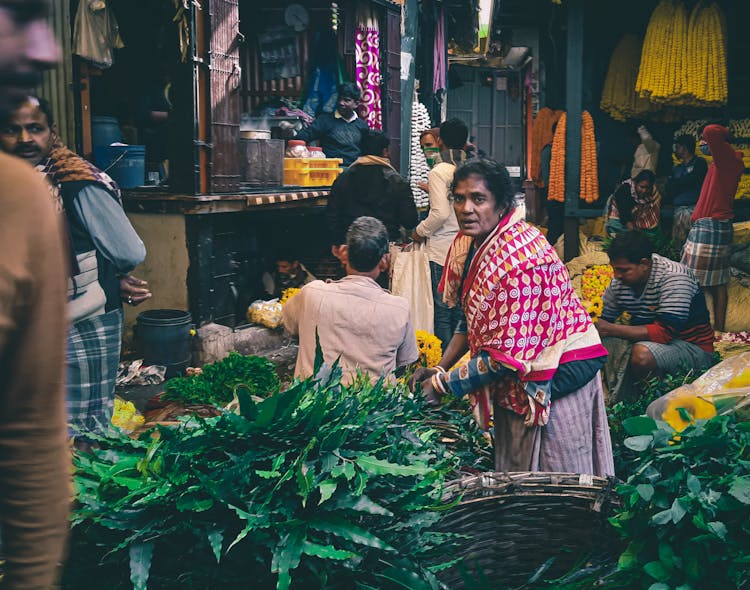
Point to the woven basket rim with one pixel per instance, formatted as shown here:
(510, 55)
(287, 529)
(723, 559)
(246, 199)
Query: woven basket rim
(493, 484)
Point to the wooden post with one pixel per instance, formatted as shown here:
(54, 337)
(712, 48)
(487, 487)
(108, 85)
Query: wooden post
(574, 107)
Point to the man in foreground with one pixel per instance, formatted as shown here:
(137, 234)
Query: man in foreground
(669, 328)
(34, 461)
(354, 318)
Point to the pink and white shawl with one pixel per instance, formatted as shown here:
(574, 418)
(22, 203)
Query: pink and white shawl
(521, 308)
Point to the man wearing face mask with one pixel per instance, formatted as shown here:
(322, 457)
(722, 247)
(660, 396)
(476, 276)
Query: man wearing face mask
(707, 248)
(684, 186)
(34, 459)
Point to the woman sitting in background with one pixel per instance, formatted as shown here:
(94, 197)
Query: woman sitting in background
(636, 204)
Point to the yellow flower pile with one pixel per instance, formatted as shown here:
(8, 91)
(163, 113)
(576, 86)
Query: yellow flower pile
(684, 57)
(430, 348)
(619, 98)
(125, 415)
(287, 294)
(594, 282)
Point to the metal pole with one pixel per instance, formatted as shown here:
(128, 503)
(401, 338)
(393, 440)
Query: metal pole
(574, 108)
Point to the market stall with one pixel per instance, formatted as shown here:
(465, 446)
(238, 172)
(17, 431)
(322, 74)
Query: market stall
(203, 94)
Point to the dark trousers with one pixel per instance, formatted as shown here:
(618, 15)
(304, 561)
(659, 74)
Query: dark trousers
(446, 318)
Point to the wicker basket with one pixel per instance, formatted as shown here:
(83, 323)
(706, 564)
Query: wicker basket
(515, 523)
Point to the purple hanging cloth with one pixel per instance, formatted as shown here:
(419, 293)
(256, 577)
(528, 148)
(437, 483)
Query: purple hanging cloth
(438, 75)
(367, 70)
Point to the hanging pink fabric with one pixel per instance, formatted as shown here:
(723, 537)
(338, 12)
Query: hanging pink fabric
(367, 71)
(438, 58)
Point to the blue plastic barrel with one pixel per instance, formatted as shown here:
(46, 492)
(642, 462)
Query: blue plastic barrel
(126, 164)
(105, 131)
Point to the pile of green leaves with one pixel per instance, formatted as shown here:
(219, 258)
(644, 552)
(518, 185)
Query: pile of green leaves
(686, 506)
(217, 383)
(319, 486)
(457, 429)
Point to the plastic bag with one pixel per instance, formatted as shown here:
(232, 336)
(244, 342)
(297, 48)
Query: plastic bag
(265, 313)
(125, 416)
(411, 279)
(723, 389)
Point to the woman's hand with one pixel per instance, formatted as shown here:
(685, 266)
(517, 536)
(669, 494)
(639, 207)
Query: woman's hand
(416, 237)
(424, 186)
(430, 395)
(420, 375)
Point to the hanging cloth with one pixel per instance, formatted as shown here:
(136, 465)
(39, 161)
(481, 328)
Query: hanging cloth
(326, 73)
(438, 58)
(367, 69)
(96, 34)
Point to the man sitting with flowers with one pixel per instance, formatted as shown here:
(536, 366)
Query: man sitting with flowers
(670, 326)
(354, 319)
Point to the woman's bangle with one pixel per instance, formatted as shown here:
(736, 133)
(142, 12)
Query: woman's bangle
(440, 369)
(438, 384)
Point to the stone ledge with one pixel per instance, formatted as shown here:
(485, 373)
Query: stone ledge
(213, 342)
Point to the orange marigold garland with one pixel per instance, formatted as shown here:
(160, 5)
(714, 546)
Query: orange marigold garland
(589, 165)
(541, 135)
(556, 190)
(589, 187)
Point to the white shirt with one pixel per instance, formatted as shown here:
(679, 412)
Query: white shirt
(441, 225)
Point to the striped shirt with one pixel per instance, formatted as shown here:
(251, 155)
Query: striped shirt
(672, 305)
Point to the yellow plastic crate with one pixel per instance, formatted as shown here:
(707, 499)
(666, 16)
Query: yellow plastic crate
(310, 176)
(312, 163)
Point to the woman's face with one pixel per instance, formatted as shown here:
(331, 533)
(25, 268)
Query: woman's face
(428, 141)
(476, 208)
(644, 188)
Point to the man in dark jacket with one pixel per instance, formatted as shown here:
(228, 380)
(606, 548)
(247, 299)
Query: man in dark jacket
(370, 187)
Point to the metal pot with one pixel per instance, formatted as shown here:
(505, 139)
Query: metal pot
(255, 134)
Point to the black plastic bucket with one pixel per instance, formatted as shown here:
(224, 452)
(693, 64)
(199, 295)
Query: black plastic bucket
(163, 338)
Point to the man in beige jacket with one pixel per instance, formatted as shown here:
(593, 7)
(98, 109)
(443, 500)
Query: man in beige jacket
(355, 319)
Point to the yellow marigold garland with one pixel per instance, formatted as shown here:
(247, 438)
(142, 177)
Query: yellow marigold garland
(684, 57)
(430, 348)
(619, 98)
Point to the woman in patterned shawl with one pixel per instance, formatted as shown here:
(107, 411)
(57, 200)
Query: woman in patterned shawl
(535, 354)
(636, 204)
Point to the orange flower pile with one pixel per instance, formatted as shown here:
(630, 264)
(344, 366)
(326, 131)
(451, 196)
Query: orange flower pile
(589, 188)
(541, 135)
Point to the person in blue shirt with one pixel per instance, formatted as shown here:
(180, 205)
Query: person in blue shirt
(684, 186)
(339, 133)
